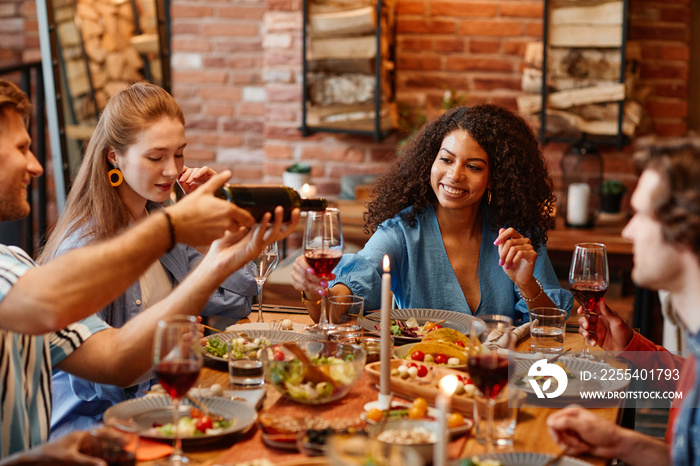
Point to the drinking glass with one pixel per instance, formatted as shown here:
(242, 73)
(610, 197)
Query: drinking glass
(177, 359)
(588, 278)
(489, 371)
(323, 248)
(260, 268)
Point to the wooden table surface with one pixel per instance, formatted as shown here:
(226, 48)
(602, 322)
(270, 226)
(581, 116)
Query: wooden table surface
(530, 435)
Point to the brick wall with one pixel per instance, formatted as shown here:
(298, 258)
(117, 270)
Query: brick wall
(236, 73)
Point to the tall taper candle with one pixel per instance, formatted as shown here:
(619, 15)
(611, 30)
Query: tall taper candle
(385, 354)
(447, 387)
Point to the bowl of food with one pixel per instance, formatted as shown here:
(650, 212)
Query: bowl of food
(419, 435)
(313, 372)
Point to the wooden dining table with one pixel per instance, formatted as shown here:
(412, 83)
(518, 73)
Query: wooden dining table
(531, 433)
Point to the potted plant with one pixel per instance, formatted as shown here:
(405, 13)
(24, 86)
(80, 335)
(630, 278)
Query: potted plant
(611, 192)
(297, 175)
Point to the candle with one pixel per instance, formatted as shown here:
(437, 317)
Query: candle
(447, 387)
(385, 353)
(307, 190)
(579, 195)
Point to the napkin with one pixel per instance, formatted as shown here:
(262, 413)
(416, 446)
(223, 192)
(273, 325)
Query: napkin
(497, 337)
(150, 450)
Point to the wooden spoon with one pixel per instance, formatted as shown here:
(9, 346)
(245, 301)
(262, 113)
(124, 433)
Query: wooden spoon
(312, 373)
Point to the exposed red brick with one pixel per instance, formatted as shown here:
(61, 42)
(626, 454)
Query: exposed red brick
(282, 132)
(425, 27)
(231, 29)
(254, 141)
(278, 151)
(660, 32)
(275, 168)
(449, 45)
(190, 11)
(213, 62)
(522, 9)
(349, 154)
(282, 114)
(241, 12)
(229, 140)
(278, 58)
(247, 44)
(415, 43)
(670, 128)
(515, 47)
(674, 52)
(246, 77)
(313, 153)
(387, 154)
(218, 110)
(667, 108)
(497, 83)
(179, 29)
(221, 93)
(246, 172)
(463, 9)
(241, 125)
(282, 5)
(418, 62)
(200, 77)
(534, 29)
(251, 109)
(283, 93)
(200, 122)
(676, 13)
(410, 7)
(200, 154)
(665, 71)
(677, 90)
(484, 46)
(251, 63)
(191, 45)
(483, 64)
(491, 28)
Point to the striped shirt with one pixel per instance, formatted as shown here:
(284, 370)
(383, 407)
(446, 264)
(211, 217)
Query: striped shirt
(26, 362)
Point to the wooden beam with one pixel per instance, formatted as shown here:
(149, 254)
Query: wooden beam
(345, 47)
(585, 36)
(352, 22)
(605, 13)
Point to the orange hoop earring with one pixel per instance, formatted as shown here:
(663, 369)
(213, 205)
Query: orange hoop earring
(115, 176)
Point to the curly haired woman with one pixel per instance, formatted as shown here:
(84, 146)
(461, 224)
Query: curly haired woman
(462, 215)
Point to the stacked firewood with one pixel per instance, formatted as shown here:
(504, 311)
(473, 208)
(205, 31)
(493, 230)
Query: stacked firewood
(583, 71)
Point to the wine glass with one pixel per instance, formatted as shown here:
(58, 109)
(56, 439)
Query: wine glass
(177, 359)
(323, 248)
(489, 369)
(588, 278)
(260, 268)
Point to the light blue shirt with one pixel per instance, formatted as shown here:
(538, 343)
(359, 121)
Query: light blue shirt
(422, 276)
(685, 446)
(79, 403)
(25, 366)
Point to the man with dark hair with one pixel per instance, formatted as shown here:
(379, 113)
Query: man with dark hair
(37, 300)
(665, 231)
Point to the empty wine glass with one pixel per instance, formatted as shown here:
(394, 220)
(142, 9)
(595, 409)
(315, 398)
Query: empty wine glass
(261, 267)
(588, 278)
(323, 248)
(177, 360)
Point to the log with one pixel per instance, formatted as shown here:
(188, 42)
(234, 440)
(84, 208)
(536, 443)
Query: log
(320, 7)
(146, 43)
(327, 89)
(352, 22)
(570, 98)
(586, 36)
(605, 13)
(338, 113)
(606, 128)
(363, 65)
(342, 48)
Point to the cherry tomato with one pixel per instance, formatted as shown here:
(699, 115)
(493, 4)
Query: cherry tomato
(422, 371)
(436, 326)
(421, 404)
(459, 343)
(195, 413)
(416, 413)
(418, 355)
(375, 414)
(441, 358)
(411, 364)
(455, 420)
(278, 355)
(428, 326)
(203, 423)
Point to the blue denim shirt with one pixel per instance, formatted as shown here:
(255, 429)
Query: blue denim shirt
(77, 403)
(686, 431)
(422, 276)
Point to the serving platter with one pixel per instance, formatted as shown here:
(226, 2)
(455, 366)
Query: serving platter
(411, 388)
(404, 352)
(454, 320)
(524, 459)
(275, 336)
(158, 409)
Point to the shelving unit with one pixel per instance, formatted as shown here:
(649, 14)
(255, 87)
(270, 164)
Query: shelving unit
(348, 68)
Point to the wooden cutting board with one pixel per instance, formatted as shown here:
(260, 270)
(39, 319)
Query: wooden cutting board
(426, 388)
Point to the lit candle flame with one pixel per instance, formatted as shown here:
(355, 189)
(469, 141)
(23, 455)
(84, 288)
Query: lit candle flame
(448, 384)
(306, 188)
(386, 263)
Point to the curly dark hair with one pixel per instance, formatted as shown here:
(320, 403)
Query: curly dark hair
(521, 188)
(678, 209)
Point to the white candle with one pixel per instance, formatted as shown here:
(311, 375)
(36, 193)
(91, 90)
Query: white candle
(385, 353)
(579, 196)
(308, 190)
(447, 387)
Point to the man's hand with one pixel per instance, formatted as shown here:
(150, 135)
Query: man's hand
(580, 431)
(64, 451)
(200, 218)
(605, 329)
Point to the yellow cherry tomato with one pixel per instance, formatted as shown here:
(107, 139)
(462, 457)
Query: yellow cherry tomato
(375, 414)
(416, 413)
(428, 326)
(455, 420)
(421, 405)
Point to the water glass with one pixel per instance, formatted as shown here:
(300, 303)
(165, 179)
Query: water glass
(343, 312)
(505, 415)
(547, 329)
(244, 372)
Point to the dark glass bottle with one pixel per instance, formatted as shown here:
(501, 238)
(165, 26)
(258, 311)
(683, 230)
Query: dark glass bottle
(260, 199)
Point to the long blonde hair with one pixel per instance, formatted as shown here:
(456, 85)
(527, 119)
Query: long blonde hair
(93, 205)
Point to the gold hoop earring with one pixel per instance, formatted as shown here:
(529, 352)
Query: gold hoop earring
(115, 176)
(488, 198)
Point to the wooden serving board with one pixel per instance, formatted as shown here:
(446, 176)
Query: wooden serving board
(414, 388)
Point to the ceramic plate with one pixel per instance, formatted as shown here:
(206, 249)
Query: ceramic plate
(275, 336)
(525, 459)
(158, 409)
(261, 326)
(455, 320)
(404, 351)
(574, 385)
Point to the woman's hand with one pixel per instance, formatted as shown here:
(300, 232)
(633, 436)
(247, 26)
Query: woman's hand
(305, 279)
(516, 255)
(192, 178)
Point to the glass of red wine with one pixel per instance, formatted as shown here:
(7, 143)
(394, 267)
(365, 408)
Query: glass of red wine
(323, 248)
(588, 278)
(177, 359)
(489, 369)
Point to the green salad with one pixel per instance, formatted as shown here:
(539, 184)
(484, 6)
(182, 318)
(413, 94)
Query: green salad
(240, 347)
(289, 378)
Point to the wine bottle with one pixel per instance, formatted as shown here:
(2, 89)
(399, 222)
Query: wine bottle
(260, 199)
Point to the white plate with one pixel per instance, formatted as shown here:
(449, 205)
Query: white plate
(454, 320)
(275, 336)
(158, 409)
(574, 386)
(525, 459)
